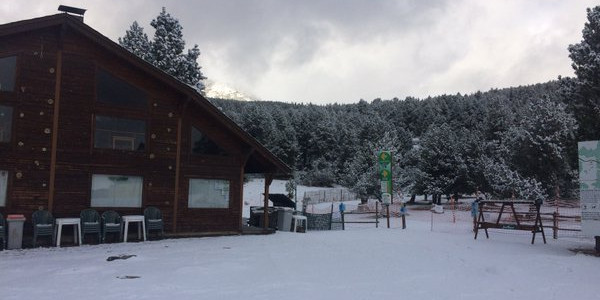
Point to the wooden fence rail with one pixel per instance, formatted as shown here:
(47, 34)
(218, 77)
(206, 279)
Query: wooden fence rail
(343, 221)
(556, 219)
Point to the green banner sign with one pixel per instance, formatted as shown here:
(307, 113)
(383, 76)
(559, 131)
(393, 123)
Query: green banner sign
(384, 158)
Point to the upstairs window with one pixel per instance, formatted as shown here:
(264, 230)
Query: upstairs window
(8, 67)
(201, 144)
(5, 123)
(115, 91)
(120, 134)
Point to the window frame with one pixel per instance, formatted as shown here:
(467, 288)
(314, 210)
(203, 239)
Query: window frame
(119, 105)
(212, 204)
(222, 151)
(119, 135)
(15, 73)
(9, 130)
(117, 140)
(137, 202)
(4, 187)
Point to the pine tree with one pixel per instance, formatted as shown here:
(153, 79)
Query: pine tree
(441, 160)
(360, 173)
(505, 182)
(538, 144)
(585, 55)
(136, 41)
(166, 51)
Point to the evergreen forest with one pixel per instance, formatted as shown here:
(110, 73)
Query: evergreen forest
(516, 142)
(513, 142)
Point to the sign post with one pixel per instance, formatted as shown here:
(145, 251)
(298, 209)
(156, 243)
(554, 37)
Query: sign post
(384, 158)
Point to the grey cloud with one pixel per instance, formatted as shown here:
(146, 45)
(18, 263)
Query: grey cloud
(344, 50)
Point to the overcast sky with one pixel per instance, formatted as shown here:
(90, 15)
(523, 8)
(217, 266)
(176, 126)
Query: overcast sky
(345, 50)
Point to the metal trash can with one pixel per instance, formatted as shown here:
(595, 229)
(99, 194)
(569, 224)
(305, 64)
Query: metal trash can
(284, 219)
(15, 231)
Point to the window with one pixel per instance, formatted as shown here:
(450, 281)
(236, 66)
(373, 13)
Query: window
(8, 66)
(3, 184)
(123, 142)
(116, 191)
(120, 134)
(208, 193)
(201, 144)
(115, 91)
(5, 123)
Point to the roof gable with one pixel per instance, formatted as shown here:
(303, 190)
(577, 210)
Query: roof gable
(261, 160)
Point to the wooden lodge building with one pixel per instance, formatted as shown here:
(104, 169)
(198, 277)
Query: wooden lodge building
(85, 123)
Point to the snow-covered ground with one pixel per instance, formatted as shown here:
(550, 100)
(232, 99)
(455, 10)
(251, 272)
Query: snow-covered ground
(362, 262)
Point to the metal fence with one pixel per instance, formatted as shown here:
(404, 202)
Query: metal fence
(329, 195)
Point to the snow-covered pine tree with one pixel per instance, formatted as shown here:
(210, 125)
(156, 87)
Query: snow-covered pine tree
(538, 143)
(586, 62)
(441, 160)
(282, 140)
(136, 41)
(507, 183)
(166, 50)
(361, 173)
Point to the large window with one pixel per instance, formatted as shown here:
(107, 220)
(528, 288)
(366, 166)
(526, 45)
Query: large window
(201, 144)
(8, 67)
(208, 193)
(115, 91)
(3, 184)
(120, 134)
(116, 191)
(5, 123)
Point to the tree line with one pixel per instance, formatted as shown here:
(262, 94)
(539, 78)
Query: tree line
(516, 142)
(510, 142)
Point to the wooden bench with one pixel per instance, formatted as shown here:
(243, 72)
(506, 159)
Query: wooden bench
(490, 206)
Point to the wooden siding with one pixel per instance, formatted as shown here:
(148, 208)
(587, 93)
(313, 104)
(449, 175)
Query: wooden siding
(77, 159)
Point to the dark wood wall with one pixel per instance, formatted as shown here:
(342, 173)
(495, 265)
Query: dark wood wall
(48, 56)
(27, 156)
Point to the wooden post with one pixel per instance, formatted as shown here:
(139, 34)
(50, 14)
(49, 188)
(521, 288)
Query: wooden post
(481, 222)
(377, 214)
(403, 213)
(245, 157)
(555, 225)
(391, 186)
(331, 216)
(55, 120)
(387, 207)
(177, 173)
(268, 181)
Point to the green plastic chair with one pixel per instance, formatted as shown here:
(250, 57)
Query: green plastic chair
(90, 223)
(153, 220)
(43, 225)
(3, 231)
(111, 223)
